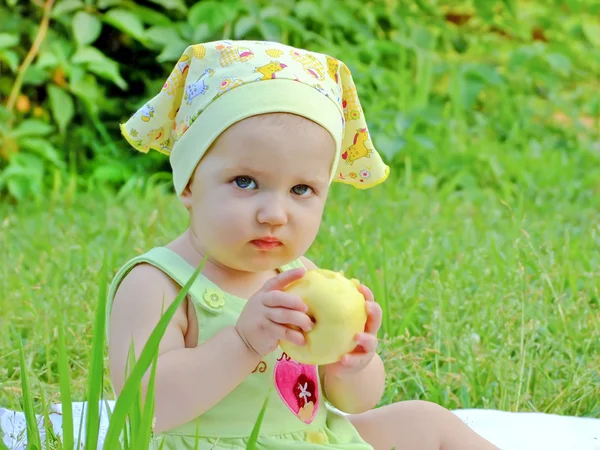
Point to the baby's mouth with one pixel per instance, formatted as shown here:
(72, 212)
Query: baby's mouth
(266, 243)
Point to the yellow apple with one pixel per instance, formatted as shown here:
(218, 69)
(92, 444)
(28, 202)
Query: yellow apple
(338, 311)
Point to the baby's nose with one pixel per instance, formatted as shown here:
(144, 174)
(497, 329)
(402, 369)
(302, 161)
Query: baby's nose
(273, 213)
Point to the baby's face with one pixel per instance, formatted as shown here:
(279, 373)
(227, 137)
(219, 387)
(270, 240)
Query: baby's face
(256, 199)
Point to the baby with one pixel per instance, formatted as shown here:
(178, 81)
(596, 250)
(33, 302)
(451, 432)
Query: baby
(256, 133)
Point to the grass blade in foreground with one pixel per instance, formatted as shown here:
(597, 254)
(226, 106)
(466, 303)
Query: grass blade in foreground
(128, 394)
(50, 440)
(96, 372)
(65, 388)
(33, 433)
(254, 435)
(135, 408)
(146, 425)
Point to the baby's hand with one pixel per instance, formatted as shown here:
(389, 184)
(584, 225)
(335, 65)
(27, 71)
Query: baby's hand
(272, 315)
(361, 356)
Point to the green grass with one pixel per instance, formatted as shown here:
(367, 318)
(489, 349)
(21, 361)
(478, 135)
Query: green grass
(483, 248)
(489, 303)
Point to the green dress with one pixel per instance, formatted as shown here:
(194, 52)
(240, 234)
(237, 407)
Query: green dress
(297, 416)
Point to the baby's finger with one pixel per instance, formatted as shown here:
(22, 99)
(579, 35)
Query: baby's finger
(291, 317)
(279, 299)
(284, 278)
(367, 342)
(374, 317)
(367, 293)
(355, 360)
(289, 334)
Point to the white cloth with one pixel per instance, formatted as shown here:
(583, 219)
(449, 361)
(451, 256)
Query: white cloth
(506, 430)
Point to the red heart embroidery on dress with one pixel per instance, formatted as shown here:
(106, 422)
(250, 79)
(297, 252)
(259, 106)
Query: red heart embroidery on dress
(297, 385)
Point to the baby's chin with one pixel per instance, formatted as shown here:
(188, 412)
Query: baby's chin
(259, 261)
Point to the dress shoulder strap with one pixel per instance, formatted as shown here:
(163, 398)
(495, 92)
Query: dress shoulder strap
(170, 263)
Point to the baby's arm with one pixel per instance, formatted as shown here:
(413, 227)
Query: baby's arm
(353, 393)
(189, 381)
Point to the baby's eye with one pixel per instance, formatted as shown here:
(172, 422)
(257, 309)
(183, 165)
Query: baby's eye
(245, 182)
(301, 190)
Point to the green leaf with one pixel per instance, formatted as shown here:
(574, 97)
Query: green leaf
(269, 31)
(86, 88)
(243, 26)
(485, 9)
(44, 149)
(271, 11)
(172, 51)
(86, 28)
(36, 76)
(203, 12)
(511, 6)
(8, 40)
(110, 172)
(307, 10)
(98, 63)
(150, 16)
(125, 21)
(592, 32)
(211, 13)
(11, 58)
(63, 108)
(201, 33)
(46, 59)
(178, 5)
(18, 177)
(163, 35)
(559, 63)
(33, 432)
(422, 37)
(104, 4)
(33, 127)
(66, 6)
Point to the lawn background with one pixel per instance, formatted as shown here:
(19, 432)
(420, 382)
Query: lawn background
(483, 246)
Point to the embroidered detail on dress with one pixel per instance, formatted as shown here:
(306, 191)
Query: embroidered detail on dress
(261, 367)
(297, 385)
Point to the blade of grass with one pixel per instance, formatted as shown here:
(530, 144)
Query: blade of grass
(33, 432)
(256, 429)
(146, 425)
(80, 429)
(109, 410)
(197, 437)
(65, 388)
(135, 413)
(96, 371)
(128, 393)
(376, 287)
(49, 440)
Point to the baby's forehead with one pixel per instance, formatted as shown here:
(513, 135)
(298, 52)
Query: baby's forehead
(269, 146)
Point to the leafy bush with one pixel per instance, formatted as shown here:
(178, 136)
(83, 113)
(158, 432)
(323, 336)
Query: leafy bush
(462, 93)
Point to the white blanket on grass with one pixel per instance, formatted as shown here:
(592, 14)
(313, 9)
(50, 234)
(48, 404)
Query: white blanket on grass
(506, 430)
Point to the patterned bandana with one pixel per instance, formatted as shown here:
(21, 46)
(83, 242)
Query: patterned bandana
(216, 84)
